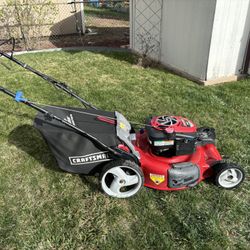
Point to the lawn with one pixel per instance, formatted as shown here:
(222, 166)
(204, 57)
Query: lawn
(91, 11)
(42, 207)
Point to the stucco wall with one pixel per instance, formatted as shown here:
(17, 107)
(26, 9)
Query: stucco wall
(63, 21)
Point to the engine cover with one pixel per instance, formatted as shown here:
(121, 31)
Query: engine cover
(171, 135)
(171, 124)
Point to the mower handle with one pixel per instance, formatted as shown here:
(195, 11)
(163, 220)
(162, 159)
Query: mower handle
(115, 152)
(7, 92)
(61, 85)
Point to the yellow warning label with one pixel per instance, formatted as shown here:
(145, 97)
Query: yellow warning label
(157, 179)
(122, 125)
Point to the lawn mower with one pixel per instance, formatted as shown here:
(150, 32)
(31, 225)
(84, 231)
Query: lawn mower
(168, 153)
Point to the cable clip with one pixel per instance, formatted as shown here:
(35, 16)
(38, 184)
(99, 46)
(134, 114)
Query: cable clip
(19, 97)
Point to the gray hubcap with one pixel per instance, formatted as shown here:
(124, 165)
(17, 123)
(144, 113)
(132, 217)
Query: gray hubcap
(230, 178)
(121, 182)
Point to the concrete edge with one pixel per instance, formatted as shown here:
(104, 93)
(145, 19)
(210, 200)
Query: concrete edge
(224, 79)
(87, 48)
(219, 80)
(192, 78)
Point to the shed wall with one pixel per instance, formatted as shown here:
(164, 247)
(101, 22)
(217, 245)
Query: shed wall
(145, 26)
(186, 35)
(205, 39)
(229, 38)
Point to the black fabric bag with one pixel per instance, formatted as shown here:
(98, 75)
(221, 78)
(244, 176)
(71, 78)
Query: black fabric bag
(74, 152)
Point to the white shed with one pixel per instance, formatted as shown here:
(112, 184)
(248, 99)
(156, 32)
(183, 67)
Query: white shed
(205, 40)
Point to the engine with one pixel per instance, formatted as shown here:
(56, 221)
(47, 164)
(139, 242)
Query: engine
(171, 135)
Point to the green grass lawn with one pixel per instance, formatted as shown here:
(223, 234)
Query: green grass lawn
(42, 207)
(91, 11)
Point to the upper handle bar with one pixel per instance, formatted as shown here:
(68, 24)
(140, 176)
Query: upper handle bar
(56, 83)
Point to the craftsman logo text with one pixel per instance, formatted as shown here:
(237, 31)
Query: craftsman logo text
(88, 159)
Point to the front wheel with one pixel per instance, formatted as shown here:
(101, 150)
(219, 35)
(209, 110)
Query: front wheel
(121, 179)
(228, 175)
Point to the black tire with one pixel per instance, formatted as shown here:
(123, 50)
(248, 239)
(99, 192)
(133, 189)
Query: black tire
(129, 171)
(236, 172)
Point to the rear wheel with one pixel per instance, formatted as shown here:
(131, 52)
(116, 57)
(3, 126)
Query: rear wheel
(228, 175)
(121, 179)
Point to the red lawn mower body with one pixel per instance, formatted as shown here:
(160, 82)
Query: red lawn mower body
(158, 168)
(155, 168)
